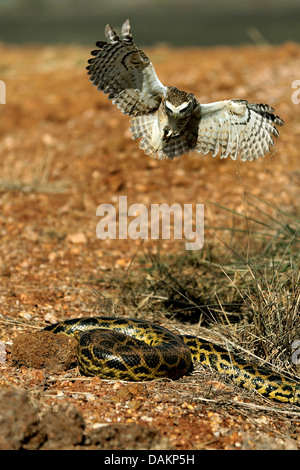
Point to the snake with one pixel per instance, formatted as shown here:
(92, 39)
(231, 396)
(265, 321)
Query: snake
(138, 350)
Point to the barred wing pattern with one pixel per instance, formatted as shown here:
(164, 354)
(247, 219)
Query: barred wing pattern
(171, 122)
(123, 71)
(237, 128)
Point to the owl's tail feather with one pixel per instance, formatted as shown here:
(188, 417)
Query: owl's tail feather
(148, 128)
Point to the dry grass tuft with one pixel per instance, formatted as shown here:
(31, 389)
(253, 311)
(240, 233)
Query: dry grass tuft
(251, 300)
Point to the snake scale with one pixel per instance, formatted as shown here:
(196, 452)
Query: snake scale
(130, 349)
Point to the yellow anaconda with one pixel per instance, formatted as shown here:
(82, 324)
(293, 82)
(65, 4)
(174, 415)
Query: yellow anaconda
(129, 349)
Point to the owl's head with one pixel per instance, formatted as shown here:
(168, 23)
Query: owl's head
(178, 103)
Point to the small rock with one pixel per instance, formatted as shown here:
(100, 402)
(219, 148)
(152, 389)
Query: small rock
(77, 238)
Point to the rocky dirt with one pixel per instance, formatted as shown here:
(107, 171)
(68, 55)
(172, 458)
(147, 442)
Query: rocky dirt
(64, 150)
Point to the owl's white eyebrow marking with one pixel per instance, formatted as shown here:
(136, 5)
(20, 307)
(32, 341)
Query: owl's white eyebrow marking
(176, 109)
(172, 122)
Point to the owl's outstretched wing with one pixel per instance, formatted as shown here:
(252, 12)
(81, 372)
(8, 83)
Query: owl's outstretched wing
(123, 71)
(236, 129)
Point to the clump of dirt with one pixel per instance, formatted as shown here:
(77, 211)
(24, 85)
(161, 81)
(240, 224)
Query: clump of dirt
(21, 427)
(44, 350)
(18, 420)
(63, 427)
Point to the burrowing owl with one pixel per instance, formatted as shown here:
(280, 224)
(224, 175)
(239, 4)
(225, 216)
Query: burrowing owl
(171, 122)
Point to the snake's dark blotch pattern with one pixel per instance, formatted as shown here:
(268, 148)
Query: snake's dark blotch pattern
(129, 349)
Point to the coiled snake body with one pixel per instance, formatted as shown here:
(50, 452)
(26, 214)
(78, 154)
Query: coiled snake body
(129, 349)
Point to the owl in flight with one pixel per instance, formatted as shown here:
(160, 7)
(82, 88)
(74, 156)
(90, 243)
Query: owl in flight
(171, 122)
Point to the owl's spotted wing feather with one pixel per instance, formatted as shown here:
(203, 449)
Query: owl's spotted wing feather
(123, 71)
(236, 129)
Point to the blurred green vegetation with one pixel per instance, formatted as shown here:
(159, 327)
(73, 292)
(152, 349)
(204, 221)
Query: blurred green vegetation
(188, 23)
